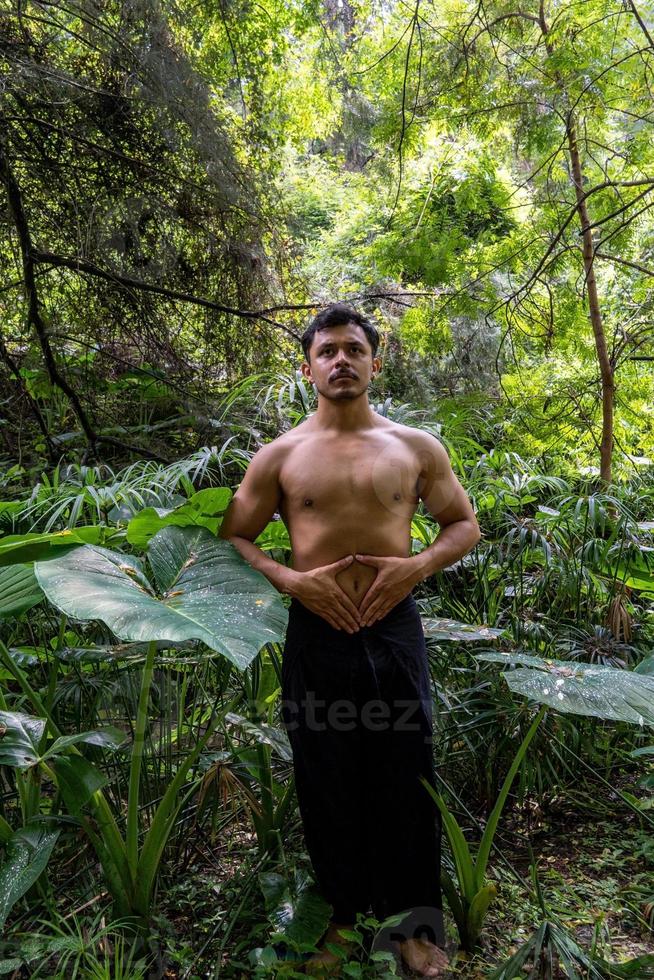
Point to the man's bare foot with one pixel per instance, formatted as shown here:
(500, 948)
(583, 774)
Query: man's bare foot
(324, 963)
(423, 957)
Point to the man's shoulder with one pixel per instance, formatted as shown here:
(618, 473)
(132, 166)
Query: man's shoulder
(428, 447)
(278, 448)
(414, 434)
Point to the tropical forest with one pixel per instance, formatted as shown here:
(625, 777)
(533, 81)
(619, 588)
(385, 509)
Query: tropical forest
(183, 187)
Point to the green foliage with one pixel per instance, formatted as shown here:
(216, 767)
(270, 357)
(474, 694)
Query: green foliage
(296, 910)
(454, 205)
(28, 851)
(588, 689)
(469, 905)
(206, 592)
(198, 164)
(204, 508)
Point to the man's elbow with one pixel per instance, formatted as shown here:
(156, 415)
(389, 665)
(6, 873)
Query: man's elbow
(233, 537)
(226, 533)
(473, 531)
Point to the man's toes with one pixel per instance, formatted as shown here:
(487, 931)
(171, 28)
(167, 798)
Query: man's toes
(437, 963)
(424, 958)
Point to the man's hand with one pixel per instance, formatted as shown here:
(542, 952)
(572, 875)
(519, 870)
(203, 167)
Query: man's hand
(319, 591)
(395, 579)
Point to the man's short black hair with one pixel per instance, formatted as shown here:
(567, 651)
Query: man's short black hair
(337, 315)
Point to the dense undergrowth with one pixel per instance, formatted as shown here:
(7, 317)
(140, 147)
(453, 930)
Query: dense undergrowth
(148, 816)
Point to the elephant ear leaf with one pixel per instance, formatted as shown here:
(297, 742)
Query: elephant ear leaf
(28, 852)
(451, 629)
(19, 590)
(296, 909)
(581, 688)
(20, 737)
(208, 593)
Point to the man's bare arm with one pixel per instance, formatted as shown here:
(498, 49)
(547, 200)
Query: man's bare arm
(447, 501)
(251, 509)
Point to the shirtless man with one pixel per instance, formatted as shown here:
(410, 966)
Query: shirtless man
(347, 482)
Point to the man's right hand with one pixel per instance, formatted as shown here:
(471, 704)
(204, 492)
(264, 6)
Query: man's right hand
(319, 591)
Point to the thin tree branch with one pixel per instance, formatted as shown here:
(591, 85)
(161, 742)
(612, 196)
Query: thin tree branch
(34, 312)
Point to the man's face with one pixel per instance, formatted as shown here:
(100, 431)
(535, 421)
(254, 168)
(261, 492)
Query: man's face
(341, 362)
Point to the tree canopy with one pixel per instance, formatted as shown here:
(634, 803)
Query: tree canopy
(184, 184)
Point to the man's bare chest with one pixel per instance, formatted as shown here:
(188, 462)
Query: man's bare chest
(325, 475)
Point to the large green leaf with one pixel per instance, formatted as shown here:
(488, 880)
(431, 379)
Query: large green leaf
(27, 656)
(20, 736)
(208, 593)
(450, 629)
(274, 535)
(19, 548)
(636, 574)
(212, 501)
(203, 509)
(19, 590)
(28, 852)
(107, 738)
(77, 779)
(24, 657)
(296, 909)
(581, 688)
(267, 734)
(115, 652)
(160, 498)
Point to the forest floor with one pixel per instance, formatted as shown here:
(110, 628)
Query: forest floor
(595, 869)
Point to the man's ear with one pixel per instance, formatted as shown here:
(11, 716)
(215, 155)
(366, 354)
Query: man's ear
(305, 368)
(376, 366)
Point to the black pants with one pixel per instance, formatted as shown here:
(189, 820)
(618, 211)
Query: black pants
(358, 711)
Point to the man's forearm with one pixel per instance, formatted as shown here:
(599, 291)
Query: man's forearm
(279, 575)
(454, 541)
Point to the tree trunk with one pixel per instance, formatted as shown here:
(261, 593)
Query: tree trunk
(595, 313)
(605, 365)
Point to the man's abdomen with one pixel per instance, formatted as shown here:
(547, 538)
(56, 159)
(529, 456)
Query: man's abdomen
(315, 544)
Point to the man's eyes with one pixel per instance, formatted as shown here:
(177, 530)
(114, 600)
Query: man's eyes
(329, 350)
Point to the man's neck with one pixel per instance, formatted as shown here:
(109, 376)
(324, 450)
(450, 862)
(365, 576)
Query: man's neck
(348, 415)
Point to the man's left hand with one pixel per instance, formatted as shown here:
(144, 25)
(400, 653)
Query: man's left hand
(395, 579)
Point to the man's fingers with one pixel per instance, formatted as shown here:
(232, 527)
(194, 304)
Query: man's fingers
(342, 622)
(368, 559)
(349, 605)
(378, 615)
(346, 617)
(371, 595)
(331, 621)
(372, 612)
(341, 563)
(374, 593)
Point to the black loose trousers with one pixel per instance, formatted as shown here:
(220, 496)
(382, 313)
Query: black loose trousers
(358, 712)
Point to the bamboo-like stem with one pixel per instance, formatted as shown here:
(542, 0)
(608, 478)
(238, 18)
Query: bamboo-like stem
(132, 836)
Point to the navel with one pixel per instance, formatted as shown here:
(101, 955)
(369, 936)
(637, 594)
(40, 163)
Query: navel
(397, 496)
(308, 502)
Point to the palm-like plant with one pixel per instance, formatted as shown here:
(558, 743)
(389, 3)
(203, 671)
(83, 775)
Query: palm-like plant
(202, 590)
